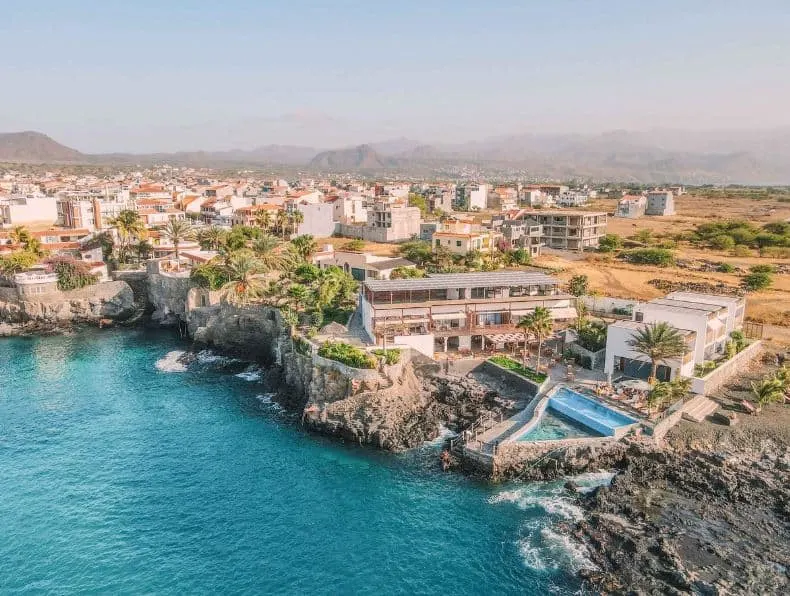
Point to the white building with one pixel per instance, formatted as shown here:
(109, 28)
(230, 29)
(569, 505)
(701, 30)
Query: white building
(660, 202)
(473, 196)
(572, 198)
(23, 211)
(704, 320)
(360, 265)
(631, 206)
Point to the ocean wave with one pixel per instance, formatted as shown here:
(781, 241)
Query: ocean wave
(589, 481)
(444, 434)
(209, 357)
(550, 501)
(172, 362)
(252, 373)
(267, 400)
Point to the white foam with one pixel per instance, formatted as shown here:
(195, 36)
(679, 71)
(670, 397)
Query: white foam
(171, 362)
(253, 373)
(444, 434)
(266, 399)
(551, 501)
(209, 357)
(568, 553)
(589, 481)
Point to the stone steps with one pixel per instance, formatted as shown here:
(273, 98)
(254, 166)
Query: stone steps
(699, 408)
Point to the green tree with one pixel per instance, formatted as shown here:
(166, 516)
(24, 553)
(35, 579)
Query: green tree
(298, 296)
(539, 324)
(758, 280)
(407, 273)
(304, 246)
(178, 231)
(129, 227)
(658, 342)
(417, 251)
(578, 285)
(767, 391)
(244, 283)
(295, 218)
(610, 243)
(263, 219)
(266, 251)
(418, 201)
(212, 238)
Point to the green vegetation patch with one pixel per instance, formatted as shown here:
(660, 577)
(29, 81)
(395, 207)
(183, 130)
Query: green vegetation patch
(518, 368)
(348, 355)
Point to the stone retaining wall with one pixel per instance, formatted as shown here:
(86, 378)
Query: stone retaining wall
(520, 383)
(721, 375)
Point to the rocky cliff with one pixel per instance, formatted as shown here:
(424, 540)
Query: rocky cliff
(167, 294)
(110, 300)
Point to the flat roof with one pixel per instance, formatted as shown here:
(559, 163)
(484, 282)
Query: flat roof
(636, 325)
(704, 298)
(439, 281)
(391, 263)
(687, 304)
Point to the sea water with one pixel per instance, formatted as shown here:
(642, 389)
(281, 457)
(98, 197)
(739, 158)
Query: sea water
(125, 471)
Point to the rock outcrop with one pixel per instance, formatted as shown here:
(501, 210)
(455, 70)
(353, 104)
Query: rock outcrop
(109, 300)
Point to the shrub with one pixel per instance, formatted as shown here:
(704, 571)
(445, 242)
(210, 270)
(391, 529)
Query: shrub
(406, 273)
(723, 242)
(740, 340)
(758, 281)
(622, 310)
(390, 357)
(301, 346)
(610, 243)
(72, 274)
(578, 285)
(592, 336)
(762, 269)
(354, 245)
(518, 368)
(700, 370)
(347, 354)
(725, 268)
(650, 256)
(741, 250)
(776, 252)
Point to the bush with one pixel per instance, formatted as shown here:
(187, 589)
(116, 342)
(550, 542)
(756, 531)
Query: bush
(650, 256)
(758, 281)
(700, 370)
(518, 368)
(347, 354)
(355, 245)
(301, 346)
(610, 243)
(390, 357)
(725, 268)
(723, 242)
(72, 274)
(762, 269)
(740, 340)
(622, 310)
(741, 250)
(776, 252)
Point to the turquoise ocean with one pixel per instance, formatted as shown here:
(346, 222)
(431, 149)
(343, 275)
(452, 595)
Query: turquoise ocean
(123, 471)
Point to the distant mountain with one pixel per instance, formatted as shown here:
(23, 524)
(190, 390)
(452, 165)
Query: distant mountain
(362, 157)
(649, 157)
(34, 147)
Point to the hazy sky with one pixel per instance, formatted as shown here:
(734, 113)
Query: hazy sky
(145, 75)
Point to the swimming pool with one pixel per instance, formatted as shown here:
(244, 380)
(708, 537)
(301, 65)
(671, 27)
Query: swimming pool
(594, 414)
(567, 414)
(553, 426)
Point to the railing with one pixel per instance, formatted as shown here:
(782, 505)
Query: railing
(35, 278)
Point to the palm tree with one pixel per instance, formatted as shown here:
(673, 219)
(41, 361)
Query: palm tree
(304, 246)
(296, 217)
(658, 341)
(541, 325)
(177, 231)
(20, 235)
(279, 222)
(524, 325)
(129, 226)
(263, 219)
(265, 249)
(298, 296)
(212, 237)
(767, 391)
(245, 283)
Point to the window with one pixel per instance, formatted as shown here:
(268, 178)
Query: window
(438, 242)
(639, 317)
(458, 243)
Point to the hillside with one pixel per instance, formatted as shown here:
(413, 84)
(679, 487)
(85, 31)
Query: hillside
(34, 147)
(363, 157)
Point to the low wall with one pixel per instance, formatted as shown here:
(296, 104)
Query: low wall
(597, 359)
(663, 427)
(531, 388)
(349, 371)
(719, 376)
(607, 305)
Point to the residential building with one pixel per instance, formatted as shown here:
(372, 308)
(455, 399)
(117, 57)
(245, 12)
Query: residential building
(318, 218)
(704, 320)
(524, 233)
(392, 222)
(348, 210)
(572, 198)
(24, 211)
(469, 197)
(360, 265)
(53, 240)
(458, 311)
(503, 198)
(572, 230)
(460, 244)
(660, 202)
(428, 228)
(631, 206)
(248, 216)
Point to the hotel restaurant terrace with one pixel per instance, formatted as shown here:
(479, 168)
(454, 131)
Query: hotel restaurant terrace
(460, 312)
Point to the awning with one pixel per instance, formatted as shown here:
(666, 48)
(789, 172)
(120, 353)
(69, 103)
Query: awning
(446, 316)
(501, 338)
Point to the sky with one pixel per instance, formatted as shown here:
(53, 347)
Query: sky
(168, 75)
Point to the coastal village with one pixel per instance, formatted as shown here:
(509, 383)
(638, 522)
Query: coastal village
(567, 323)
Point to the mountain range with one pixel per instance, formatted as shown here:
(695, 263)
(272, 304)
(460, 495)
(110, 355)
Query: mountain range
(657, 156)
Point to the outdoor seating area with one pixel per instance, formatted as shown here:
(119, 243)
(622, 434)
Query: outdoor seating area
(629, 394)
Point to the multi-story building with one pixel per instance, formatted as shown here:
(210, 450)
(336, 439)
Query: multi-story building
(23, 211)
(248, 216)
(572, 198)
(460, 243)
(704, 320)
(660, 202)
(503, 198)
(524, 233)
(317, 218)
(472, 196)
(572, 230)
(348, 210)
(631, 206)
(392, 222)
(458, 311)
(360, 265)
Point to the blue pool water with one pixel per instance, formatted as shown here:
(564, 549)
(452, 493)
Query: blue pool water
(589, 412)
(124, 472)
(552, 427)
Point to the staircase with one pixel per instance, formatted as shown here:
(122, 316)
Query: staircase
(699, 408)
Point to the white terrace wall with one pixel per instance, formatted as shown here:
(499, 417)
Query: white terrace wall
(719, 376)
(607, 305)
